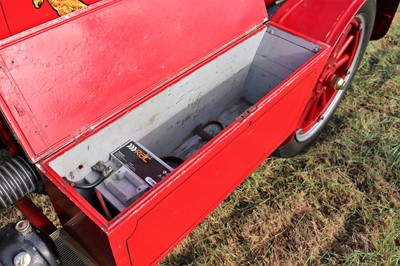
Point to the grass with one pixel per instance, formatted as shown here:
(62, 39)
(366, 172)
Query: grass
(339, 203)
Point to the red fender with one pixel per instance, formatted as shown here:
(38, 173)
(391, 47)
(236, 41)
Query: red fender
(322, 20)
(386, 9)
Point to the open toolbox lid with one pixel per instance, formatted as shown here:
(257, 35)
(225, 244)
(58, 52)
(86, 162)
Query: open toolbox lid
(62, 79)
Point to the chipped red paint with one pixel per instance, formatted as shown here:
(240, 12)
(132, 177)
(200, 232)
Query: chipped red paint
(47, 115)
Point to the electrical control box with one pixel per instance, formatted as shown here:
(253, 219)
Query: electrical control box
(133, 171)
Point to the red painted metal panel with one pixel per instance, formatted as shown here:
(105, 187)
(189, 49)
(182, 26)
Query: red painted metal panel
(64, 79)
(22, 15)
(322, 20)
(188, 204)
(4, 30)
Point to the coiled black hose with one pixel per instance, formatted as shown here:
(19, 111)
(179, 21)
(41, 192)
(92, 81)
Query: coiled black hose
(17, 179)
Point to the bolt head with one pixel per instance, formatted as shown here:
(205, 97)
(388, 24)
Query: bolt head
(340, 84)
(22, 259)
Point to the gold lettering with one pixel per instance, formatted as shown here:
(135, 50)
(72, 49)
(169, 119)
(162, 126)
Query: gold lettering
(142, 155)
(62, 7)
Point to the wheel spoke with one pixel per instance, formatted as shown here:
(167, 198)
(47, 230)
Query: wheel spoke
(344, 47)
(341, 61)
(323, 99)
(342, 40)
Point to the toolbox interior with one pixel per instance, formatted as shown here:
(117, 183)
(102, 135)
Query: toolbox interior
(220, 91)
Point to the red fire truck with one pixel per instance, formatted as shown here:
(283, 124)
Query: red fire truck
(138, 118)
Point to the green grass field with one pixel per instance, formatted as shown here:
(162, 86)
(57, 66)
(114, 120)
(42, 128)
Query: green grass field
(339, 203)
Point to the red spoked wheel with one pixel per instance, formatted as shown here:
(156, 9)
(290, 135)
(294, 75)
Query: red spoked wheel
(334, 81)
